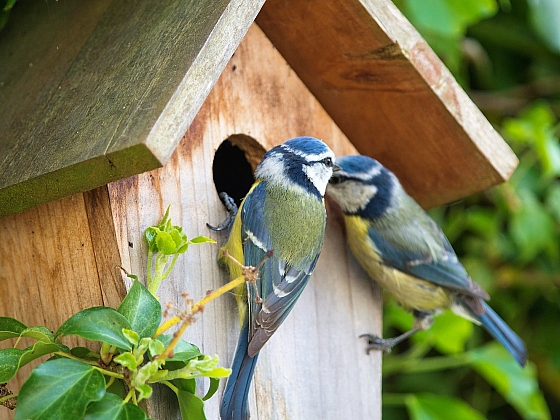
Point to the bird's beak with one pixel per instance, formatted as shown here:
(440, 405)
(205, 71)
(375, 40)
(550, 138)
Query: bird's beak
(336, 168)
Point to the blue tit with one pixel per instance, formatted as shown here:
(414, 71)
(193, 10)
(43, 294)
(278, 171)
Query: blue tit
(282, 222)
(404, 250)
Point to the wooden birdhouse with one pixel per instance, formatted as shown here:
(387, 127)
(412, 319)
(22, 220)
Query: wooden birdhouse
(111, 111)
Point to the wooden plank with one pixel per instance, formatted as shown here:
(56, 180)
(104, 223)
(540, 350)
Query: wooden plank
(92, 93)
(315, 360)
(390, 94)
(47, 270)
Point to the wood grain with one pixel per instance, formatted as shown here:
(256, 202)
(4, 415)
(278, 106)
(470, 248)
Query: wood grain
(390, 94)
(47, 270)
(315, 360)
(92, 93)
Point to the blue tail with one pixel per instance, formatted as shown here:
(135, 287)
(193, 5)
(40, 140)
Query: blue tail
(234, 401)
(497, 327)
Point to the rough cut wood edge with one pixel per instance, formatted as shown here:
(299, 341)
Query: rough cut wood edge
(390, 94)
(121, 103)
(441, 81)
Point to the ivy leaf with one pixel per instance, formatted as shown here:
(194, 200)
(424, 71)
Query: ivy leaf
(202, 240)
(141, 309)
(10, 328)
(12, 359)
(99, 323)
(183, 351)
(59, 389)
(191, 406)
(188, 385)
(214, 385)
(112, 407)
(518, 385)
(165, 243)
(440, 407)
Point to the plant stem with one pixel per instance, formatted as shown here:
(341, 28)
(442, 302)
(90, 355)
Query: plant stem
(109, 373)
(171, 386)
(129, 395)
(164, 275)
(149, 277)
(71, 356)
(110, 382)
(200, 304)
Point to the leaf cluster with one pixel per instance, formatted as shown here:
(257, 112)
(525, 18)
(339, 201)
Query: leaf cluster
(80, 383)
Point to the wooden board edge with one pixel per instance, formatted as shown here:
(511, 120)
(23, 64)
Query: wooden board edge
(77, 178)
(440, 80)
(203, 74)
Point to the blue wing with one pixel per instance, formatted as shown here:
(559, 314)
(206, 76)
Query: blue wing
(421, 249)
(280, 284)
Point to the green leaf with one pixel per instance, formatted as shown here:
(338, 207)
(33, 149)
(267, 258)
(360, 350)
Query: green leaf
(141, 309)
(12, 359)
(117, 388)
(99, 323)
(144, 391)
(214, 385)
(165, 243)
(127, 360)
(10, 328)
(188, 385)
(440, 407)
(532, 227)
(544, 16)
(191, 406)
(202, 240)
(84, 353)
(131, 336)
(183, 351)
(448, 334)
(151, 235)
(449, 18)
(39, 333)
(518, 385)
(59, 389)
(111, 407)
(156, 347)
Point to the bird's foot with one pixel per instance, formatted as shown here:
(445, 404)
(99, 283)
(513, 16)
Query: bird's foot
(377, 343)
(231, 207)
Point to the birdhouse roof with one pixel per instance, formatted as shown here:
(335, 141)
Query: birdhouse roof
(97, 91)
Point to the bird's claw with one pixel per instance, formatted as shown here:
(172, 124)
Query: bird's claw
(231, 207)
(377, 343)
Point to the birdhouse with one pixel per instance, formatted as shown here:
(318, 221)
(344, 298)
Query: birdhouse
(112, 111)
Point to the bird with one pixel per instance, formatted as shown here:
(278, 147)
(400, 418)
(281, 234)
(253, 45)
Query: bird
(279, 229)
(403, 249)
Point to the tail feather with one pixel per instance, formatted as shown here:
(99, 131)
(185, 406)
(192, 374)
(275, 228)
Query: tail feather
(497, 327)
(235, 399)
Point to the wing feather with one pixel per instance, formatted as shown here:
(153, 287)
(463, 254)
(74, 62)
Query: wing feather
(280, 284)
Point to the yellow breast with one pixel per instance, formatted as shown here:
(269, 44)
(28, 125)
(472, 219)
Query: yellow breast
(411, 292)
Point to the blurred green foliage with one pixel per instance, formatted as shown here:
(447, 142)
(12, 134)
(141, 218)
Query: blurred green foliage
(505, 54)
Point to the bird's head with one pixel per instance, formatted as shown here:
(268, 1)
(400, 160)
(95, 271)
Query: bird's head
(362, 186)
(303, 162)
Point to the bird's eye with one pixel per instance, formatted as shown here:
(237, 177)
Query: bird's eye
(328, 162)
(335, 180)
